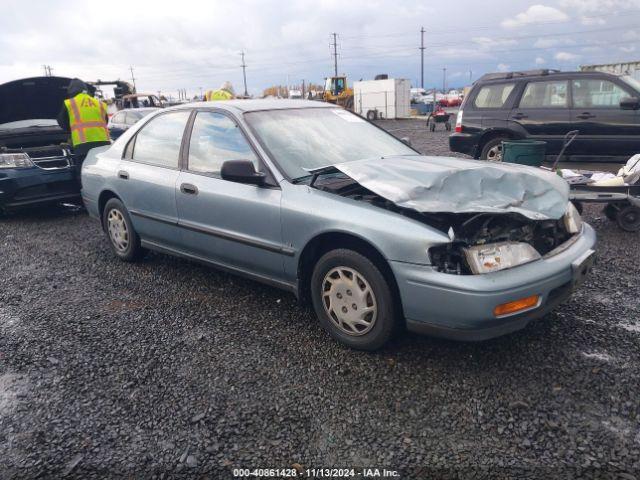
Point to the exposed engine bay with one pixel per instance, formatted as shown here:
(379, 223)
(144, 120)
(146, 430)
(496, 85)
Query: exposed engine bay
(464, 229)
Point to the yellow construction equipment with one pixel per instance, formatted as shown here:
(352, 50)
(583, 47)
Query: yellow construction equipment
(336, 91)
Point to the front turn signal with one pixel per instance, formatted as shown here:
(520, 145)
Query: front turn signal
(517, 306)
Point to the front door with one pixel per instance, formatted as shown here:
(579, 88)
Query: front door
(232, 224)
(605, 129)
(543, 112)
(148, 174)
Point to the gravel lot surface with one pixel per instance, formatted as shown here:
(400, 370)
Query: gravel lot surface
(173, 369)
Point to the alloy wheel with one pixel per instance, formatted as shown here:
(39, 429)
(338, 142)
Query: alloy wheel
(495, 153)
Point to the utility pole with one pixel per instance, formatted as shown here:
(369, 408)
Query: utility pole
(422, 57)
(47, 70)
(444, 80)
(133, 79)
(303, 96)
(470, 75)
(244, 75)
(335, 54)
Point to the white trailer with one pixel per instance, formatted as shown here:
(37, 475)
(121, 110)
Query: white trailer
(388, 98)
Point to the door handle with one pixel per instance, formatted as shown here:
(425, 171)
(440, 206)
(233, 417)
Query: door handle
(189, 189)
(585, 115)
(123, 174)
(518, 116)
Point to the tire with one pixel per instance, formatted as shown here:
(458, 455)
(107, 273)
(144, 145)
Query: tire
(628, 218)
(448, 126)
(372, 115)
(493, 149)
(432, 127)
(578, 205)
(339, 268)
(123, 239)
(610, 211)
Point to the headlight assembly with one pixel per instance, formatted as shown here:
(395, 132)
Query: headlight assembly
(15, 160)
(572, 219)
(493, 257)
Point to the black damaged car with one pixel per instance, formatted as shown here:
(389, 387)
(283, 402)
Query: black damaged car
(36, 162)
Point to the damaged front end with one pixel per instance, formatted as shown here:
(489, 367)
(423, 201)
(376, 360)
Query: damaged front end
(523, 217)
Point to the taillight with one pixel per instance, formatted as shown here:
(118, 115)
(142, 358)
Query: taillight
(459, 122)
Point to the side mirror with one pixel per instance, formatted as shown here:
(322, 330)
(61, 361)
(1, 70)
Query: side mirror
(406, 140)
(241, 171)
(629, 103)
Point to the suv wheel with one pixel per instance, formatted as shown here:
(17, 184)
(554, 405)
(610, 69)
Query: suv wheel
(353, 300)
(492, 150)
(123, 239)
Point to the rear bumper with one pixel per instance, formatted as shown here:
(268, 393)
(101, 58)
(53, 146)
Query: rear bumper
(466, 143)
(32, 186)
(460, 307)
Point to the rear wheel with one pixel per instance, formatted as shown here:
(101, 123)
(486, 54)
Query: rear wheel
(352, 300)
(123, 239)
(432, 127)
(372, 115)
(610, 211)
(492, 150)
(628, 218)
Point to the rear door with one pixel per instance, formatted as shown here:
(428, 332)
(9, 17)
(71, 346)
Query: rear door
(232, 224)
(147, 177)
(543, 113)
(605, 129)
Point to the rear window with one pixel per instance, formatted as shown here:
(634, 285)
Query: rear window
(493, 96)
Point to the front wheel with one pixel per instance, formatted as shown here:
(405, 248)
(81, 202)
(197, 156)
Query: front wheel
(352, 300)
(628, 218)
(123, 238)
(492, 150)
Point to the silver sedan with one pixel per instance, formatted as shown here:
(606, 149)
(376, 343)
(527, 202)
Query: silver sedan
(318, 201)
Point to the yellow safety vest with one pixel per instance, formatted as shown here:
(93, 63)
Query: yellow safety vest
(86, 119)
(214, 95)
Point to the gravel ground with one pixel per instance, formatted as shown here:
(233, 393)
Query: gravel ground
(172, 369)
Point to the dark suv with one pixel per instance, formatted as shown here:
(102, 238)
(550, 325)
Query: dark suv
(545, 105)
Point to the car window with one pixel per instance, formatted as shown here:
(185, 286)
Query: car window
(158, 142)
(130, 119)
(118, 118)
(216, 138)
(552, 94)
(493, 96)
(593, 92)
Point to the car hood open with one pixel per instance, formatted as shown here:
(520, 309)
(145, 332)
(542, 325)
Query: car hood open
(32, 98)
(455, 185)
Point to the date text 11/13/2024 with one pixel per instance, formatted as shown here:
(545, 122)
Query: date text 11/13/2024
(316, 473)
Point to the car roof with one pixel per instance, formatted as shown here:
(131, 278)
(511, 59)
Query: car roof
(510, 76)
(140, 109)
(256, 105)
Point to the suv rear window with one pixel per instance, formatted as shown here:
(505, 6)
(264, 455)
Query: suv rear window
(493, 96)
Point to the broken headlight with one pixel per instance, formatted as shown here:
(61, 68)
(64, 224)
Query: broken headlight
(15, 160)
(572, 219)
(493, 257)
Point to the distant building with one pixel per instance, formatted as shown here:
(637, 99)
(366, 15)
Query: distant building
(622, 68)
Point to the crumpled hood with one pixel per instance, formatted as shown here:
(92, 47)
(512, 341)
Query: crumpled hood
(455, 185)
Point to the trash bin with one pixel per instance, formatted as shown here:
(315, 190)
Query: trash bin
(524, 152)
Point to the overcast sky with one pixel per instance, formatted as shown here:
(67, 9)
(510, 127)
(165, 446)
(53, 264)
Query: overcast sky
(192, 44)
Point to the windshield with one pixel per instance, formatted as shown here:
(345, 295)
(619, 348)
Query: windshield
(31, 123)
(300, 140)
(632, 81)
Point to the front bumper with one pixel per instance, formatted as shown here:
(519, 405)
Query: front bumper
(466, 143)
(21, 187)
(461, 307)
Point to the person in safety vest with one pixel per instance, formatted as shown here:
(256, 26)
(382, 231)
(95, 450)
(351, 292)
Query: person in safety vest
(86, 118)
(225, 92)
